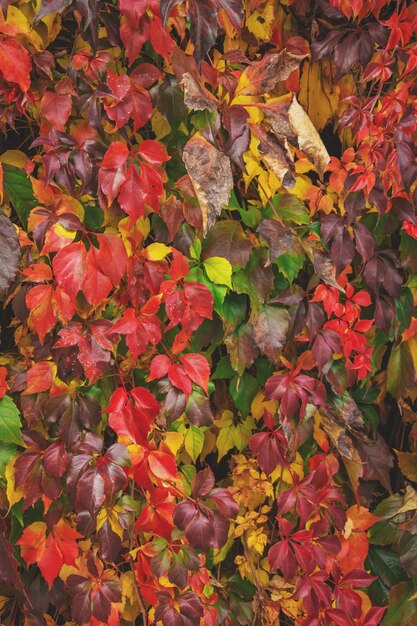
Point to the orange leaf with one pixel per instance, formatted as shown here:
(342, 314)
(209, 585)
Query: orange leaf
(50, 552)
(361, 518)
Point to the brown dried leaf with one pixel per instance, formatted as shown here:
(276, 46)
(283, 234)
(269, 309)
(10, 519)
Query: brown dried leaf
(270, 326)
(322, 265)
(262, 76)
(211, 174)
(196, 96)
(308, 138)
(276, 154)
(9, 253)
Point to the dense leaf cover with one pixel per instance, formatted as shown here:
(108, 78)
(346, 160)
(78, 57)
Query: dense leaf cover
(208, 265)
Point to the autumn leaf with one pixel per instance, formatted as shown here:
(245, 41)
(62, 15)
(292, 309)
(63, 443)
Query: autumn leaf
(50, 551)
(9, 253)
(15, 63)
(262, 76)
(211, 175)
(196, 96)
(308, 138)
(270, 326)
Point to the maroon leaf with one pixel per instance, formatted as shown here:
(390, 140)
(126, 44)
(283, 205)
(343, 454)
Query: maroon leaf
(203, 20)
(227, 239)
(165, 7)
(51, 6)
(202, 483)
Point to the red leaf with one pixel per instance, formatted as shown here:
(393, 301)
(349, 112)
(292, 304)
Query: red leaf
(56, 108)
(159, 366)
(180, 379)
(153, 151)
(197, 369)
(15, 64)
(96, 286)
(132, 194)
(40, 377)
(111, 257)
(69, 265)
(162, 465)
(112, 173)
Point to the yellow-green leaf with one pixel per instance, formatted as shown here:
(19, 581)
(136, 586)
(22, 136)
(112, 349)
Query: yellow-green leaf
(219, 270)
(194, 441)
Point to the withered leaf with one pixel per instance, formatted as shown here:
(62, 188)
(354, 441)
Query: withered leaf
(345, 411)
(322, 265)
(9, 253)
(276, 154)
(262, 76)
(196, 96)
(308, 138)
(241, 348)
(227, 239)
(377, 461)
(278, 237)
(211, 174)
(270, 326)
(338, 436)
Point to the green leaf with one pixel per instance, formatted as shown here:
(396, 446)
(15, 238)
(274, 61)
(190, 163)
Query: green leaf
(401, 610)
(291, 210)
(7, 450)
(290, 264)
(19, 189)
(10, 423)
(384, 563)
(243, 389)
(219, 270)
(223, 369)
(401, 375)
(194, 441)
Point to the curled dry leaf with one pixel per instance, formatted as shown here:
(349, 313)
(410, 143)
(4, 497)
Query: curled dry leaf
(276, 155)
(196, 96)
(9, 253)
(308, 138)
(322, 265)
(211, 174)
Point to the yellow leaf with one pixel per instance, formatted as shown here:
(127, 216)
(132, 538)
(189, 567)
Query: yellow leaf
(3, 601)
(160, 125)
(13, 494)
(219, 270)
(259, 403)
(157, 251)
(129, 605)
(16, 158)
(286, 474)
(243, 431)
(261, 21)
(318, 93)
(210, 441)
(174, 440)
(111, 515)
(225, 440)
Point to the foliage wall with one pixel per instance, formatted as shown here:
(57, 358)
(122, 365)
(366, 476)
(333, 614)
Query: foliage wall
(208, 269)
